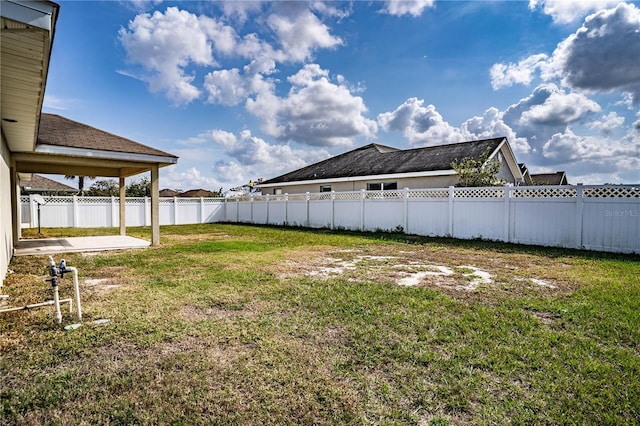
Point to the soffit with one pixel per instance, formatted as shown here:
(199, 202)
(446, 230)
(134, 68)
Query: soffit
(24, 59)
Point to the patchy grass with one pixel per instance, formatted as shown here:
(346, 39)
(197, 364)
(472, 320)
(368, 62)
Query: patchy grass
(228, 324)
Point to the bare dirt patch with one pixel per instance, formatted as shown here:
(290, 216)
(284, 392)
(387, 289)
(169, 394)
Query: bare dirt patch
(458, 272)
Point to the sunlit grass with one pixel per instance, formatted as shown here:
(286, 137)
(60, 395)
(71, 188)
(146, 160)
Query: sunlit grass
(222, 324)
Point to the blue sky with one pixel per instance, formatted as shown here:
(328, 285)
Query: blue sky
(241, 90)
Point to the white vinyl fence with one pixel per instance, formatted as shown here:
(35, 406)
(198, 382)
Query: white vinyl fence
(96, 212)
(602, 218)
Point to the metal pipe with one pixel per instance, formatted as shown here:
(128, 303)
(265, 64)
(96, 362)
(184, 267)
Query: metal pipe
(37, 305)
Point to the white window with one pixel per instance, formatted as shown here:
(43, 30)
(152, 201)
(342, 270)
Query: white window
(381, 186)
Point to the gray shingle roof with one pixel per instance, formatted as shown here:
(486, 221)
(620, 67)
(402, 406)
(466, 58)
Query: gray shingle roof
(557, 178)
(377, 159)
(60, 131)
(40, 183)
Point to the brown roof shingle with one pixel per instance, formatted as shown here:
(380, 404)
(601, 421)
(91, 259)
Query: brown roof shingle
(60, 131)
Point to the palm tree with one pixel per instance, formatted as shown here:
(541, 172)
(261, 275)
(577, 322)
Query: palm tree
(80, 182)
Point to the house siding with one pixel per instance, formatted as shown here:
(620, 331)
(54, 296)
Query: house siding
(6, 233)
(357, 185)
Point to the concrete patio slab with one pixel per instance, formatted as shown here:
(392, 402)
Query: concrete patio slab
(78, 244)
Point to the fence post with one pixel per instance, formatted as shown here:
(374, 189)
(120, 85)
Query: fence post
(286, 209)
(251, 205)
(451, 198)
(114, 212)
(75, 212)
(267, 206)
(362, 196)
(147, 212)
(405, 211)
(306, 197)
(175, 211)
(201, 209)
(32, 213)
(333, 209)
(578, 218)
(237, 209)
(507, 213)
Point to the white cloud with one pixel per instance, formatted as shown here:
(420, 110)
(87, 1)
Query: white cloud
(608, 124)
(560, 108)
(299, 31)
(316, 111)
(252, 157)
(165, 44)
(425, 126)
(567, 11)
(492, 125)
(192, 178)
(602, 55)
(602, 153)
(421, 126)
(406, 7)
(521, 73)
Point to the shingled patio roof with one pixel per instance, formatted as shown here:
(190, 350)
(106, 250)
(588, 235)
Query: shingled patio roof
(68, 147)
(59, 131)
(374, 159)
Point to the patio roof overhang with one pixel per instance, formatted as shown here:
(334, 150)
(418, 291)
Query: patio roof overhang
(90, 164)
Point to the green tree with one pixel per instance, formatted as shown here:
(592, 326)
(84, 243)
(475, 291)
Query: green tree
(104, 188)
(139, 188)
(478, 172)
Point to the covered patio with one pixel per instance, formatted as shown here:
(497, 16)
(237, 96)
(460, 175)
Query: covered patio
(45, 246)
(66, 147)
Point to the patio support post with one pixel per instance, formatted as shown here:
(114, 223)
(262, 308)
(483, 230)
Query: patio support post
(16, 217)
(123, 202)
(155, 205)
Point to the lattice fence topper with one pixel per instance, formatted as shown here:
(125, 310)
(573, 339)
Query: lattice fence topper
(297, 197)
(478, 193)
(544, 192)
(94, 200)
(279, 197)
(348, 196)
(136, 200)
(612, 192)
(51, 199)
(320, 196)
(436, 193)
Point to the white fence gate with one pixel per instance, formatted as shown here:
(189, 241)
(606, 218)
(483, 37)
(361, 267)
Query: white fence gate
(603, 218)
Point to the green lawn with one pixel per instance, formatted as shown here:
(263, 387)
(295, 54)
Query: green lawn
(230, 324)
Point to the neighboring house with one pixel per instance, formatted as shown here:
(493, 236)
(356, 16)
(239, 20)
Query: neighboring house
(166, 193)
(196, 193)
(36, 184)
(526, 176)
(379, 167)
(33, 142)
(557, 178)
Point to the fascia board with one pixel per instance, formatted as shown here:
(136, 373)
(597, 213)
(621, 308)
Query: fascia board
(361, 178)
(36, 14)
(109, 155)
